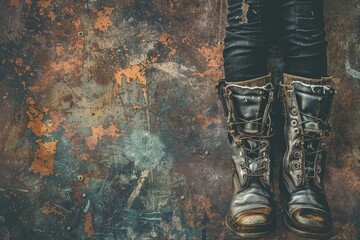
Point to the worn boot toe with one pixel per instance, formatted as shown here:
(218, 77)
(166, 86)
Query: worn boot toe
(255, 217)
(308, 217)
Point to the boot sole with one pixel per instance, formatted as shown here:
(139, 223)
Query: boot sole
(251, 235)
(302, 233)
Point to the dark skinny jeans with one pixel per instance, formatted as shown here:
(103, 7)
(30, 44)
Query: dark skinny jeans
(250, 28)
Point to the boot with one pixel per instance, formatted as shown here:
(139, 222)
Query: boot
(247, 107)
(307, 105)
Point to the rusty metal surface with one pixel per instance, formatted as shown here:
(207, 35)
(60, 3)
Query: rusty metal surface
(110, 128)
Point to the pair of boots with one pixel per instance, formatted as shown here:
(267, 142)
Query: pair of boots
(247, 106)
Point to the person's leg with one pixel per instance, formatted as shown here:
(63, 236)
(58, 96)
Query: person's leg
(305, 43)
(246, 41)
(307, 94)
(247, 95)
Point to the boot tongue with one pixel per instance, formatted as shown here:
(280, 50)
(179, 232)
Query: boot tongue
(314, 100)
(249, 107)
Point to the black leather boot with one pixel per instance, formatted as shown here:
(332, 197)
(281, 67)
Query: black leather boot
(247, 107)
(307, 104)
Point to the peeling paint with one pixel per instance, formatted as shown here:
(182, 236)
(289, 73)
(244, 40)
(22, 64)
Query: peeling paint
(51, 209)
(99, 132)
(44, 158)
(67, 66)
(37, 124)
(214, 61)
(103, 21)
(135, 72)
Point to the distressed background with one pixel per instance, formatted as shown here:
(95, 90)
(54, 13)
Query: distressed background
(110, 127)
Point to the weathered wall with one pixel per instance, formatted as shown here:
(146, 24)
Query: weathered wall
(110, 127)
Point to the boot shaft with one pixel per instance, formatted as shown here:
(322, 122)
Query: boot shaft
(247, 106)
(307, 104)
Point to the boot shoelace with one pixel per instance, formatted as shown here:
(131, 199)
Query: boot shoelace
(307, 136)
(260, 139)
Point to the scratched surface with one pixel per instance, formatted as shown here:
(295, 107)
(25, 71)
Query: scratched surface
(110, 127)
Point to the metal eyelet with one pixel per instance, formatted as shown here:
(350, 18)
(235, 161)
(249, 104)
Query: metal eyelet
(293, 123)
(265, 165)
(297, 154)
(242, 165)
(296, 165)
(294, 111)
(318, 169)
(264, 143)
(297, 176)
(296, 130)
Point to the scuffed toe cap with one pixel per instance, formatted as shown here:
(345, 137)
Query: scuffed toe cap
(312, 217)
(254, 217)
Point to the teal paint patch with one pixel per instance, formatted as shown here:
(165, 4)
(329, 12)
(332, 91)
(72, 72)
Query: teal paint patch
(144, 149)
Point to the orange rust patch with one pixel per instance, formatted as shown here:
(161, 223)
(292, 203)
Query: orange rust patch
(68, 10)
(19, 61)
(44, 158)
(135, 72)
(36, 123)
(85, 156)
(65, 67)
(205, 121)
(165, 39)
(52, 16)
(59, 49)
(88, 224)
(44, 3)
(136, 106)
(77, 44)
(214, 61)
(77, 23)
(14, 3)
(168, 42)
(103, 21)
(68, 66)
(50, 209)
(99, 132)
(172, 52)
